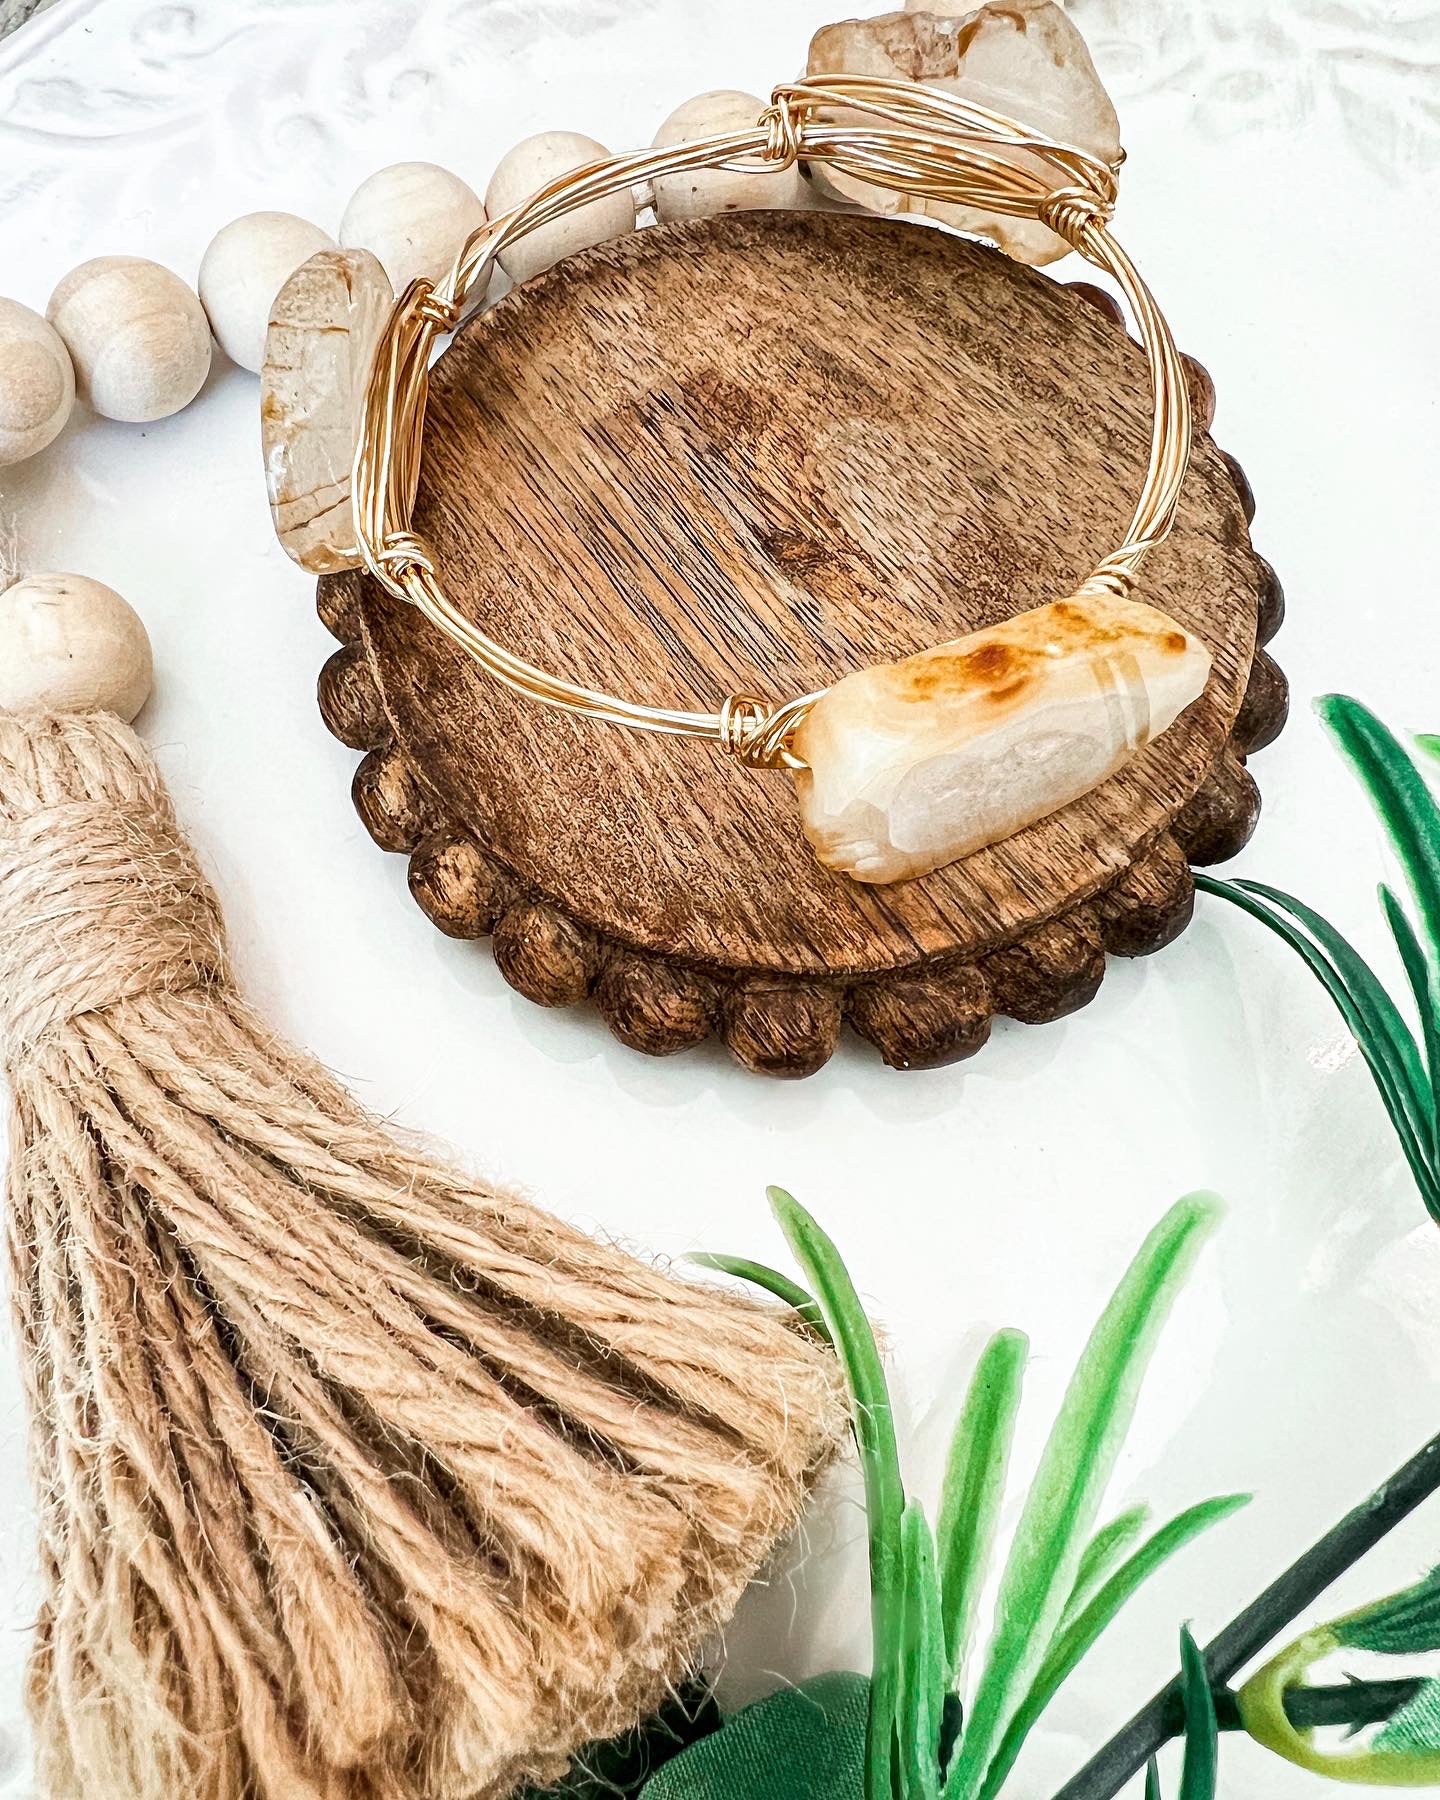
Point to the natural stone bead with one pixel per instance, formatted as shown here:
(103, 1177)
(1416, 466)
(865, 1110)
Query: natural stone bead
(1022, 58)
(698, 193)
(246, 264)
(70, 644)
(532, 164)
(413, 216)
(323, 329)
(917, 763)
(138, 336)
(37, 382)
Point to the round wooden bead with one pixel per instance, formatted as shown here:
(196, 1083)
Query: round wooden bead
(37, 382)
(1217, 821)
(414, 216)
(532, 163)
(1054, 970)
(70, 644)
(350, 702)
(698, 193)
(545, 955)
(458, 886)
(655, 1006)
(784, 1028)
(1265, 708)
(924, 1023)
(392, 806)
(1270, 615)
(137, 334)
(245, 266)
(1151, 902)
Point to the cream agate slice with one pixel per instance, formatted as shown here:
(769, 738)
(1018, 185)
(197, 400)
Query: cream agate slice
(1024, 59)
(915, 764)
(324, 325)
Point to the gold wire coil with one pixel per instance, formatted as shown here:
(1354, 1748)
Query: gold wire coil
(896, 134)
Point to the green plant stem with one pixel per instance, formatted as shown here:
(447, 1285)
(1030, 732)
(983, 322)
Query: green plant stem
(1261, 1622)
(1353, 1703)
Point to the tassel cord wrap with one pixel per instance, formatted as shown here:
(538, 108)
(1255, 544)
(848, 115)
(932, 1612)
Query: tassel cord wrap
(355, 1480)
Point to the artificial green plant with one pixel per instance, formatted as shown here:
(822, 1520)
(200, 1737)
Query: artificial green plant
(1405, 1066)
(1405, 1752)
(947, 1720)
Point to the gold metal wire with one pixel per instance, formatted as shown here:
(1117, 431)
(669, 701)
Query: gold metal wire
(896, 134)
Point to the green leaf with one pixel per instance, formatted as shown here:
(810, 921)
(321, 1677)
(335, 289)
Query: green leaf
(1410, 813)
(1075, 1639)
(874, 1428)
(1422, 987)
(802, 1743)
(923, 1668)
(1109, 1546)
(1399, 794)
(1075, 1469)
(975, 1487)
(1415, 1728)
(1202, 1734)
(1152, 1780)
(1402, 1624)
(1429, 743)
(1378, 1014)
(781, 1286)
(1405, 1108)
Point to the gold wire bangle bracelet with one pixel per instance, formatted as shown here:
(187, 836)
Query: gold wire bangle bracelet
(895, 134)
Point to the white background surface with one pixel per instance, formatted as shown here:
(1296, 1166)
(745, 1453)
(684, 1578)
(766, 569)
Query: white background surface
(1281, 170)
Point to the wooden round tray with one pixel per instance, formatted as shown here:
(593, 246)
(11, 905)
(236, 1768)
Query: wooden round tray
(750, 454)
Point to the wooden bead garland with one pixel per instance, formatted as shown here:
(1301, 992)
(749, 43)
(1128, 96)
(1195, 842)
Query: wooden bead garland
(698, 193)
(71, 644)
(413, 216)
(137, 334)
(533, 163)
(246, 264)
(37, 382)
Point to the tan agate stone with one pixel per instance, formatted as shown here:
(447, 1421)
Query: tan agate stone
(1022, 58)
(917, 763)
(324, 324)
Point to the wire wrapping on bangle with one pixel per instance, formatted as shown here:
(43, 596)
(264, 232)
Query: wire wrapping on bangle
(895, 134)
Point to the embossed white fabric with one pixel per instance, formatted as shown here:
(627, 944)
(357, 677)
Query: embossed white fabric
(1278, 196)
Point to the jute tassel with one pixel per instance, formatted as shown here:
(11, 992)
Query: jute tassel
(355, 1479)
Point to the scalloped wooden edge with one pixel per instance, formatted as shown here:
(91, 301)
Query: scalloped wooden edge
(919, 1017)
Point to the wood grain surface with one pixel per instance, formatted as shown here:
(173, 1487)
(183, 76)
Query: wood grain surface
(750, 454)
